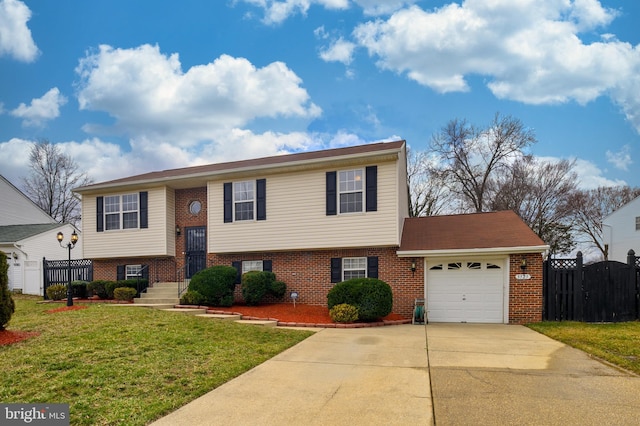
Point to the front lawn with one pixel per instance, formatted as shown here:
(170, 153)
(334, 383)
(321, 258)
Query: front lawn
(617, 343)
(126, 365)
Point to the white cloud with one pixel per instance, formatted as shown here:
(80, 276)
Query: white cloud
(382, 7)
(41, 109)
(277, 11)
(339, 51)
(529, 50)
(15, 36)
(621, 159)
(149, 95)
(590, 176)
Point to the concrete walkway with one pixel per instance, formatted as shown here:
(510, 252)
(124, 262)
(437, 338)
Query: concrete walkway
(359, 376)
(511, 375)
(471, 374)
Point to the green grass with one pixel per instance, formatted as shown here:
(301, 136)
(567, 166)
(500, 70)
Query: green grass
(617, 343)
(127, 366)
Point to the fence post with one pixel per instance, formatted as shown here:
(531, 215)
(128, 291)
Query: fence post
(578, 289)
(633, 277)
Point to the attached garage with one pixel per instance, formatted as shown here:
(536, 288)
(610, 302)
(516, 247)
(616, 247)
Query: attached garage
(478, 268)
(467, 290)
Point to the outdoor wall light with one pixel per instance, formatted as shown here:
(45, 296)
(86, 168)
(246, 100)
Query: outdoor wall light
(70, 245)
(14, 255)
(413, 266)
(523, 264)
(178, 230)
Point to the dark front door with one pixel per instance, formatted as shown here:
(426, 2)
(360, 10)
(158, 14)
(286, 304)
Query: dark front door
(196, 249)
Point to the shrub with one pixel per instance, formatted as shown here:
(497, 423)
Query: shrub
(98, 288)
(57, 291)
(79, 289)
(343, 313)
(372, 297)
(277, 289)
(191, 297)
(125, 293)
(255, 285)
(7, 305)
(215, 284)
(110, 286)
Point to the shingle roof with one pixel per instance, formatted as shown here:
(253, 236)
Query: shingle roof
(493, 230)
(13, 233)
(275, 161)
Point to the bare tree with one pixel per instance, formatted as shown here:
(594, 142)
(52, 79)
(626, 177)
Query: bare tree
(592, 206)
(470, 156)
(52, 179)
(540, 192)
(428, 195)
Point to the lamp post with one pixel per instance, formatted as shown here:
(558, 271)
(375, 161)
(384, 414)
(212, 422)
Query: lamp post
(70, 245)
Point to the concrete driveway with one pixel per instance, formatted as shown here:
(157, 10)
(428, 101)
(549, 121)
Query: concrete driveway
(510, 375)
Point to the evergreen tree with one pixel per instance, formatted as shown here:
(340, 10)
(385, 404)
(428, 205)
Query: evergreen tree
(7, 306)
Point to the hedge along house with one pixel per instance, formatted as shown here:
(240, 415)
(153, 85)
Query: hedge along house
(312, 218)
(481, 267)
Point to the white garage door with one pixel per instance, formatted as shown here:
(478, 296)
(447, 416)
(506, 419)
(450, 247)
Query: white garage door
(467, 290)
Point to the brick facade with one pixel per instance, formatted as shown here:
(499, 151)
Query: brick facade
(525, 295)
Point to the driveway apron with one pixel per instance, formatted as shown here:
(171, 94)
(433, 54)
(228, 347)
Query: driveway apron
(359, 376)
(511, 375)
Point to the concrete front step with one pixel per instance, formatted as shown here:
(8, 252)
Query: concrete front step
(157, 301)
(264, 323)
(160, 292)
(188, 311)
(223, 317)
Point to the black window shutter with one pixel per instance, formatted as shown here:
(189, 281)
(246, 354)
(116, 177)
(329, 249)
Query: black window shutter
(238, 265)
(261, 197)
(372, 267)
(371, 182)
(336, 269)
(267, 266)
(99, 214)
(120, 272)
(332, 194)
(228, 202)
(144, 209)
(145, 272)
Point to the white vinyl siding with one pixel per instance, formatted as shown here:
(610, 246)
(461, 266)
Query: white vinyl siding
(296, 215)
(156, 240)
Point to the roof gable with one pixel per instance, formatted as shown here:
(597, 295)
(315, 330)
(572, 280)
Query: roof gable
(476, 231)
(14, 233)
(16, 208)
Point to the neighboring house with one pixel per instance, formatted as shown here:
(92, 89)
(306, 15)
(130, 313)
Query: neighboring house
(313, 218)
(621, 231)
(27, 235)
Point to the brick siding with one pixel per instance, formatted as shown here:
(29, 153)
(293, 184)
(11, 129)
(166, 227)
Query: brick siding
(525, 295)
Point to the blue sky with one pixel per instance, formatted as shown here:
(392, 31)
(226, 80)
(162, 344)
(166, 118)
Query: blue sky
(127, 87)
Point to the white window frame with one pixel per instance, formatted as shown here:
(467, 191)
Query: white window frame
(252, 265)
(244, 196)
(351, 182)
(121, 208)
(353, 265)
(132, 271)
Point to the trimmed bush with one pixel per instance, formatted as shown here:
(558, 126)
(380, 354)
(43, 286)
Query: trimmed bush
(372, 297)
(125, 293)
(278, 289)
(7, 305)
(110, 286)
(98, 288)
(79, 289)
(191, 297)
(255, 285)
(215, 284)
(343, 313)
(57, 292)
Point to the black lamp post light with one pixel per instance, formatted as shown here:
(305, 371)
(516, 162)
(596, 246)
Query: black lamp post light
(70, 245)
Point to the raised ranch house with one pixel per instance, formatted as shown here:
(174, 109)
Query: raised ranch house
(314, 219)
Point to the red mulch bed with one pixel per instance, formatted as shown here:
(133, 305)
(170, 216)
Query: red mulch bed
(66, 308)
(286, 312)
(8, 337)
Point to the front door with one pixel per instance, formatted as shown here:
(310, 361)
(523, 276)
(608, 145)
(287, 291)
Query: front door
(196, 249)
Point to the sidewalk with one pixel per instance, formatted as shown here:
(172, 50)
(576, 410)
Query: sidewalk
(361, 376)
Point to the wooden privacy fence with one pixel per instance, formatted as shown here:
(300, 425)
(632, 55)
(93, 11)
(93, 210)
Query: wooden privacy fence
(600, 292)
(57, 271)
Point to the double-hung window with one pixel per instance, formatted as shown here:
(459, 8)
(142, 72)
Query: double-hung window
(243, 200)
(354, 267)
(121, 211)
(252, 265)
(132, 271)
(350, 187)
